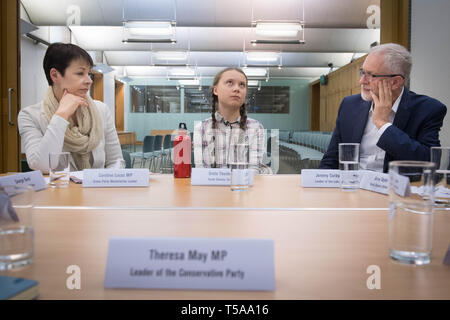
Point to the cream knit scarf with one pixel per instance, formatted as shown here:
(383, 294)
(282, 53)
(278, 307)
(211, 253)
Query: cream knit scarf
(82, 138)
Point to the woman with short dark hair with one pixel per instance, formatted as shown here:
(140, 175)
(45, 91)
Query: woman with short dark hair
(68, 119)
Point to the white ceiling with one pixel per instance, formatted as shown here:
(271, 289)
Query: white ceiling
(216, 32)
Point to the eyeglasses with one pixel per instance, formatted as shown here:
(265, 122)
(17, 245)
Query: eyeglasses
(369, 76)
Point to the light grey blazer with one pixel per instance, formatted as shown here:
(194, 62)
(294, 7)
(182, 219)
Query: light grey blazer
(39, 139)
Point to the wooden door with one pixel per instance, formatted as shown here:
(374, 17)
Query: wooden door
(119, 89)
(9, 85)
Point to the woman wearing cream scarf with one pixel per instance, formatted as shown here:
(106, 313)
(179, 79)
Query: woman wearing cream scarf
(68, 119)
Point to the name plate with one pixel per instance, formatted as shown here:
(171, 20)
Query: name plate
(190, 263)
(314, 178)
(210, 177)
(115, 178)
(400, 184)
(374, 181)
(32, 178)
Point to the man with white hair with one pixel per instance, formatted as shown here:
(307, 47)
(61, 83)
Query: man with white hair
(388, 120)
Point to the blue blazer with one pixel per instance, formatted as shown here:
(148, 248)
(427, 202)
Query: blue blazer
(415, 129)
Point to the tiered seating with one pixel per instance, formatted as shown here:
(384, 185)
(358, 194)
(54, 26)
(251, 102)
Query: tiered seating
(305, 148)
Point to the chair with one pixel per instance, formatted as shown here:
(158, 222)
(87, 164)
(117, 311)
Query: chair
(167, 147)
(156, 152)
(127, 158)
(24, 165)
(147, 148)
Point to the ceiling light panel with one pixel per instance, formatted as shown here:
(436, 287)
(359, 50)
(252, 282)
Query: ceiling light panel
(182, 71)
(265, 56)
(171, 55)
(195, 82)
(277, 29)
(255, 72)
(149, 28)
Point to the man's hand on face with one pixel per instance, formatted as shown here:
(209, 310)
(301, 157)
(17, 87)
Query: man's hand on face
(382, 103)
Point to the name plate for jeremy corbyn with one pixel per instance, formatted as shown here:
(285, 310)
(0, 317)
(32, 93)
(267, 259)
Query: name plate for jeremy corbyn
(190, 263)
(321, 178)
(115, 178)
(32, 178)
(374, 181)
(210, 177)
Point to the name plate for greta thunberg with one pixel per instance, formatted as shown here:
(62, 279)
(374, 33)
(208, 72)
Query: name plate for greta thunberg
(32, 178)
(190, 263)
(321, 178)
(374, 181)
(115, 178)
(210, 177)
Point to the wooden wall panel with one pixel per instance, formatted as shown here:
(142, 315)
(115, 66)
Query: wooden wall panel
(97, 87)
(341, 83)
(395, 22)
(119, 108)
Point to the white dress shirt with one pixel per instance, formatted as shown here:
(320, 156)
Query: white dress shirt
(371, 157)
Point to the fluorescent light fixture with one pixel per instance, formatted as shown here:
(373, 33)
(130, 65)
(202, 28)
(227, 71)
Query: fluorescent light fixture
(195, 82)
(182, 72)
(263, 56)
(149, 28)
(255, 72)
(125, 79)
(253, 83)
(255, 42)
(278, 29)
(170, 55)
(102, 68)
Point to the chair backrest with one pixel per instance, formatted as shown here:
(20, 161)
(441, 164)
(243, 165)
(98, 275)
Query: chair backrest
(148, 144)
(269, 145)
(158, 143)
(127, 158)
(167, 139)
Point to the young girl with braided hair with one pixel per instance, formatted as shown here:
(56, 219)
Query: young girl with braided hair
(215, 138)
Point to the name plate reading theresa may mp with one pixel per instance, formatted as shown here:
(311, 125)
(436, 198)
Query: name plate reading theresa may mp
(190, 263)
(115, 178)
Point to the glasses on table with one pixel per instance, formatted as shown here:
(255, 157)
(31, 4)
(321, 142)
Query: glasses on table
(370, 76)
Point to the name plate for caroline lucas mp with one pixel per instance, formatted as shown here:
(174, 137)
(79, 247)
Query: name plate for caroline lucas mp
(321, 178)
(115, 178)
(190, 263)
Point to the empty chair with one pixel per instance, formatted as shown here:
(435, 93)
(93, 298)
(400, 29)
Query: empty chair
(147, 148)
(156, 153)
(127, 158)
(166, 150)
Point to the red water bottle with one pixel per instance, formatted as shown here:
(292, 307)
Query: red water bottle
(182, 153)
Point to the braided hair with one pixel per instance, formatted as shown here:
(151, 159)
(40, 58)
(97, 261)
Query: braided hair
(214, 103)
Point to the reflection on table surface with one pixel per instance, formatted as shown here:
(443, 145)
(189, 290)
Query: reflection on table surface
(270, 192)
(318, 255)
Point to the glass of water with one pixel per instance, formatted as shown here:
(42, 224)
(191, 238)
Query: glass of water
(411, 202)
(239, 165)
(16, 227)
(441, 157)
(59, 169)
(349, 166)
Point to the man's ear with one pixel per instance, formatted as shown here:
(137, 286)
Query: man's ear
(397, 83)
(54, 74)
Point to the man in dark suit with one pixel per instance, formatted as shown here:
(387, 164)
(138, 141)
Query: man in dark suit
(389, 121)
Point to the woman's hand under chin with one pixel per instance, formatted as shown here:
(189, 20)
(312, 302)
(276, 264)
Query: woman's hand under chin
(69, 103)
